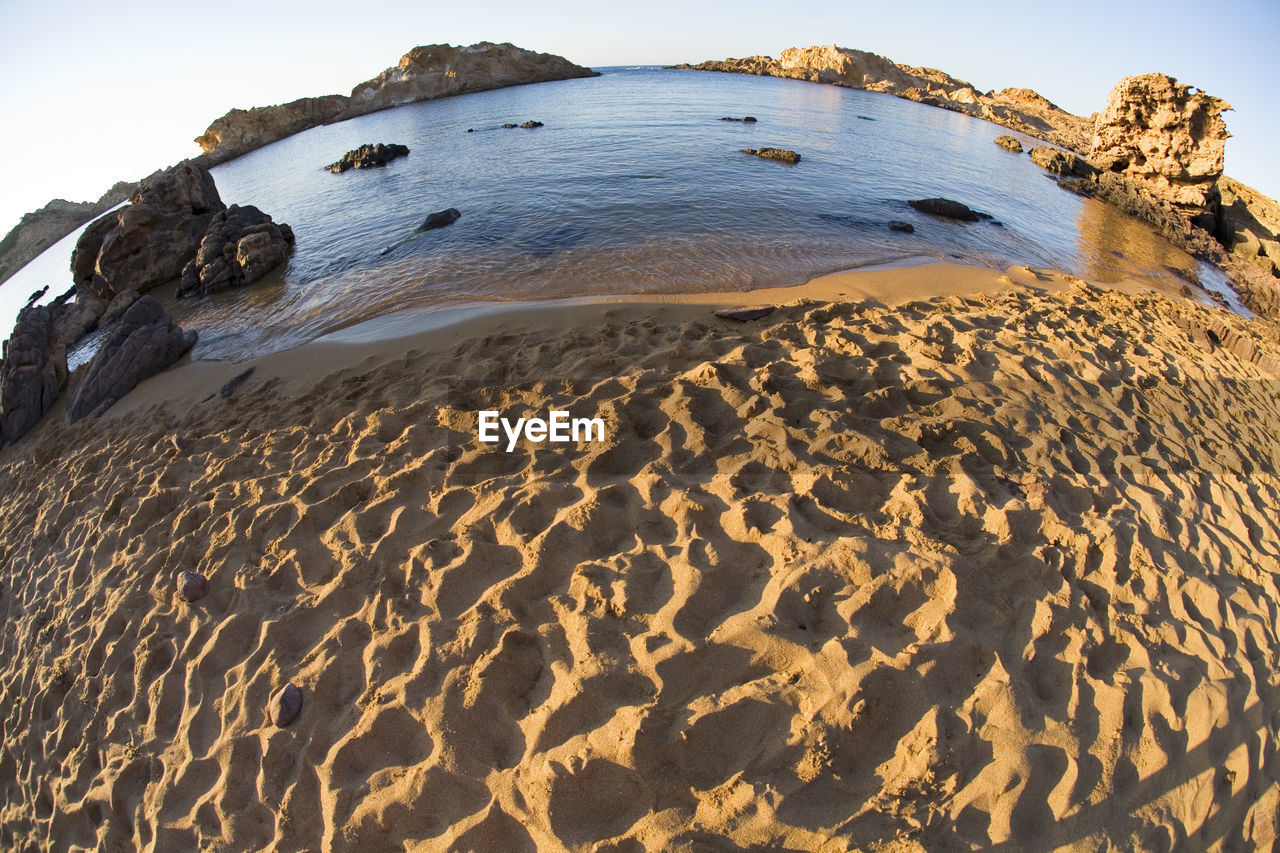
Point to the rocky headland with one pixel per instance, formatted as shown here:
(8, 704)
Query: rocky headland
(1155, 151)
(423, 74)
(40, 229)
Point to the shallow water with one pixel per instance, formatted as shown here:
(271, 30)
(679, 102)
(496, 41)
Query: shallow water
(633, 186)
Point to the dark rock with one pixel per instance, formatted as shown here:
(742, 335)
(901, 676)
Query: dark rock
(235, 382)
(75, 319)
(471, 130)
(368, 157)
(144, 342)
(1009, 143)
(439, 219)
(41, 292)
(32, 373)
(1061, 162)
(119, 305)
(746, 314)
(530, 125)
(286, 704)
(241, 245)
(783, 154)
(904, 227)
(746, 119)
(509, 125)
(867, 118)
(192, 586)
(948, 209)
(149, 241)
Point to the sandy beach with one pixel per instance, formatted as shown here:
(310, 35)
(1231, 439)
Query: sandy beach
(993, 569)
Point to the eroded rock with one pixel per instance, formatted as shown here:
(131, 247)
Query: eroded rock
(368, 157)
(1059, 162)
(241, 245)
(144, 342)
(784, 154)
(1009, 143)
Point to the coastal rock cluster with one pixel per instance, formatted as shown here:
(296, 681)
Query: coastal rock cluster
(368, 157)
(423, 74)
(240, 246)
(32, 373)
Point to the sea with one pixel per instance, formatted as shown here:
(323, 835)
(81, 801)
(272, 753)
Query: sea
(633, 185)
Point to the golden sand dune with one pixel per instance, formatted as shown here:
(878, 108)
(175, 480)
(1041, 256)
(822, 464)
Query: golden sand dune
(995, 572)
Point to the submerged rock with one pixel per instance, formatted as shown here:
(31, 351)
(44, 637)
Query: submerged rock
(285, 706)
(784, 154)
(32, 373)
(1009, 143)
(368, 157)
(142, 344)
(747, 119)
(439, 219)
(948, 209)
(149, 241)
(241, 245)
(903, 227)
(530, 125)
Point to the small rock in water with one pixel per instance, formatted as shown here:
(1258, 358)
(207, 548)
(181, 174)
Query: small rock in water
(904, 227)
(192, 586)
(746, 119)
(867, 118)
(1008, 143)
(784, 154)
(509, 125)
(746, 314)
(285, 705)
(529, 125)
(471, 130)
(440, 219)
(368, 156)
(948, 209)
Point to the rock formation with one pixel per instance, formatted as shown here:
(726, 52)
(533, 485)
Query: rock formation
(948, 209)
(1166, 137)
(1019, 109)
(439, 219)
(32, 373)
(786, 155)
(423, 74)
(240, 246)
(368, 157)
(149, 241)
(144, 342)
(1060, 162)
(40, 229)
(1008, 143)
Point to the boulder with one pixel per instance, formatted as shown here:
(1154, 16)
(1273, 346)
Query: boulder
(1167, 137)
(78, 317)
(149, 241)
(241, 245)
(439, 219)
(1009, 143)
(32, 373)
(423, 74)
(948, 209)
(368, 157)
(1060, 162)
(119, 305)
(144, 342)
(784, 154)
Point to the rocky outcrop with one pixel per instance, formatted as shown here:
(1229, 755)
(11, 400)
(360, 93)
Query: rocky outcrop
(423, 74)
(786, 155)
(948, 209)
(1059, 162)
(40, 229)
(240, 246)
(144, 342)
(1008, 143)
(1166, 137)
(368, 157)
(32, 373)
(1249, 226)
(1018, 109)
(149, 241)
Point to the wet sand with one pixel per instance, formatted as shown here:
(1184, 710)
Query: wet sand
(995, 569)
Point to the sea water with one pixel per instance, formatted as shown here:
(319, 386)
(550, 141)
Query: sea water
(633, 185)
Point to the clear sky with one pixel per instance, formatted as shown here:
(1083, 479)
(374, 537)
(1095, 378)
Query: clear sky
(97, 92)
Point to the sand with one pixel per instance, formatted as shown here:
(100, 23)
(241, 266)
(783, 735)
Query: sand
(987, 571)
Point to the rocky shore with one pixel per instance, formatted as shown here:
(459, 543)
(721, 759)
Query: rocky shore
(1155, 151)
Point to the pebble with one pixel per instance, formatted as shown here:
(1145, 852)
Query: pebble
(192, 586)
(286, 705)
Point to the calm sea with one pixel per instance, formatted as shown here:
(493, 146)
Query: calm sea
(632, 186)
